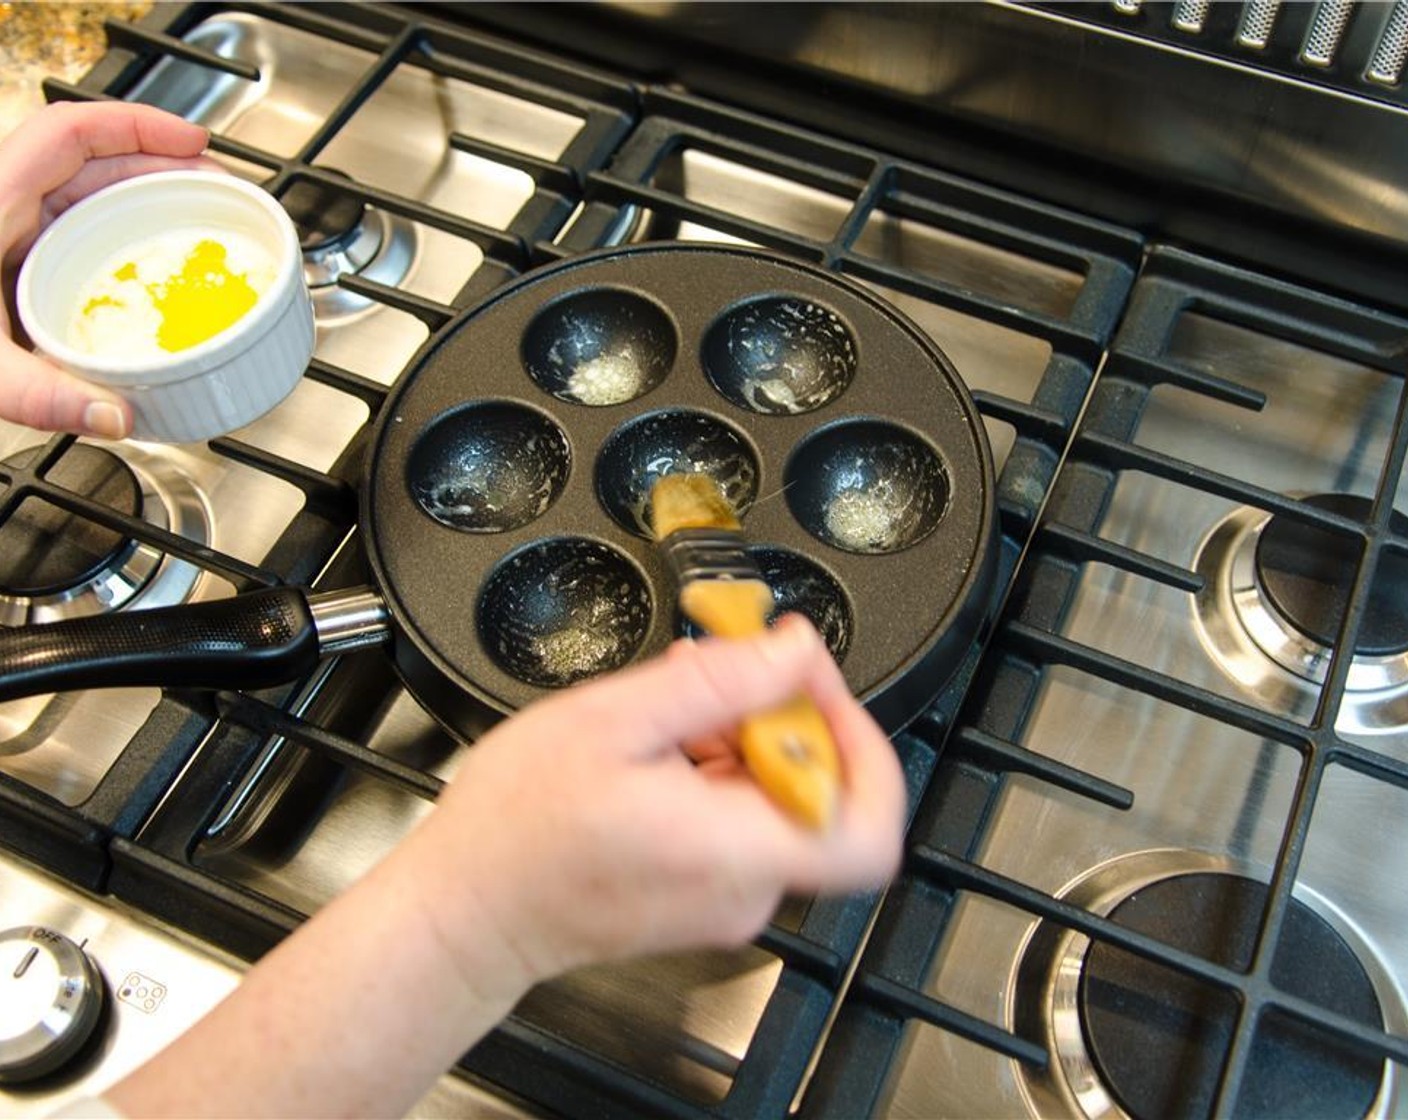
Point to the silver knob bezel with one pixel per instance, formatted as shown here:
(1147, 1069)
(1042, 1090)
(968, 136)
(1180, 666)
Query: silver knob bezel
(67, 1024)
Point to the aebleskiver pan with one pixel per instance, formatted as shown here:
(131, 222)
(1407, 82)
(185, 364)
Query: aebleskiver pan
(461, 643)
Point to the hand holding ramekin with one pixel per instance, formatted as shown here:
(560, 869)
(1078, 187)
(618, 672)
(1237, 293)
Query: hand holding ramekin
(201, 390)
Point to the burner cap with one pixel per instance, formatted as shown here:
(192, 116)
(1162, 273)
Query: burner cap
(326, 216)
(1307, 574)
(45, 550)
(1159, 1038)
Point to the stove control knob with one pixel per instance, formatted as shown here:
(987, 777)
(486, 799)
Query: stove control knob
(51, 995)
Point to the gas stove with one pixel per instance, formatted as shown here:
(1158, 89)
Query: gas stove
(1151, 862)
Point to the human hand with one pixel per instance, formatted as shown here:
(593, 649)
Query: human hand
(62, 154)
(609, 821)
(616, 819)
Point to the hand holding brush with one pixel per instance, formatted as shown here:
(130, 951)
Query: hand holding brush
(788, 750)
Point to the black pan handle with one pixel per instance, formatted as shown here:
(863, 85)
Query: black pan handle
(255, 640)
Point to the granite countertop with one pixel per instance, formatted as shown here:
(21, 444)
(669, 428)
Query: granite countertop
(43, 40)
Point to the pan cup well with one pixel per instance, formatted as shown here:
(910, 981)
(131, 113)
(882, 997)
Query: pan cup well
(867, 486)
(779, 355)
(641, 452)
(802, 586)
(489, 466)
(562, 610)
(600, 346)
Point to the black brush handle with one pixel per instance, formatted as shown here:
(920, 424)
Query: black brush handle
(254, 640)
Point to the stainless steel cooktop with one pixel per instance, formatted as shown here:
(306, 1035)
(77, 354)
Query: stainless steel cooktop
(1208, 797)
(1025, 300)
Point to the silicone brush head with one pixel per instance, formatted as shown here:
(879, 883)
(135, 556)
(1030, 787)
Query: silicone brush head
(690, 501)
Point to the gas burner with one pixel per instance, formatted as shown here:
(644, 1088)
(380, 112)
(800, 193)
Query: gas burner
(1159, 1038)
(55, 564)
(1130, 1038)
(1273, 597)
(1305, 575)
(340, 235)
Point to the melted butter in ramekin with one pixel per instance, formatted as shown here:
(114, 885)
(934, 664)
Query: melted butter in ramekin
(169, 293)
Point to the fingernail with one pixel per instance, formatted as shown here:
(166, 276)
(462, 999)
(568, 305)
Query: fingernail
(105, 419)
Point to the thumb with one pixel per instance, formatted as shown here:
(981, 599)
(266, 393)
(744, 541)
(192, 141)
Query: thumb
(703, 688)
(40, 395)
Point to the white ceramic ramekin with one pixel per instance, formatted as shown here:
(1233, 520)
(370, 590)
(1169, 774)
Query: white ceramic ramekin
(211, 388)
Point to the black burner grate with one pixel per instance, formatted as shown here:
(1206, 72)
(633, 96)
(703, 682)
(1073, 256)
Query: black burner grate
(71, 841)
(943, 857)
(156, 871)
(149, 815)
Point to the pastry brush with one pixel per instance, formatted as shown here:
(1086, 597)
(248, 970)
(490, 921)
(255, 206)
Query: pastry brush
(788, 750)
